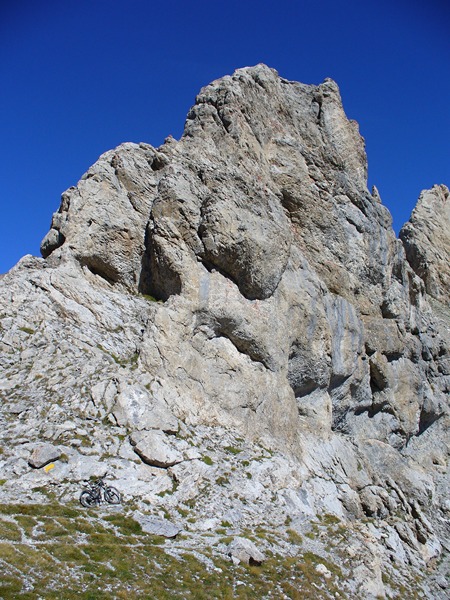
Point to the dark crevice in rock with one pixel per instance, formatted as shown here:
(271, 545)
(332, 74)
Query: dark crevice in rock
(442, 350)
(380, 406)
(306, 387)
(378, 379)
(336, 381)
(163, 281)
(158, 162)
(289, 203)
(144, 284)
(369, 350)
(228, 328)
(340, 422)
(157, 278)
(98, 266)
(242, 347)
(202, 176)
(317, 108)
(393, 356)
(387, 312)
(426, 419)
(398, 271)
(374, 389)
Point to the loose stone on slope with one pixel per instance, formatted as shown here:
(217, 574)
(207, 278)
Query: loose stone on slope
(42, 455)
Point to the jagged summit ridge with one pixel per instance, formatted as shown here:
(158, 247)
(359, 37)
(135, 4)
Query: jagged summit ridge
(294, 144)
(288, 317)
(427, 241)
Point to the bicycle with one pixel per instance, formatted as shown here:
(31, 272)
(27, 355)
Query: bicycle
(97, 492)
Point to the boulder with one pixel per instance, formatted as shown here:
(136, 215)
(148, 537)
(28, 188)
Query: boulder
(42, 455)
(243, 550)
(155, 449)
(156, 526)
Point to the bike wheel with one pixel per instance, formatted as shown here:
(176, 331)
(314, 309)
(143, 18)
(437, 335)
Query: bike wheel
(112, 496)
(87, 499)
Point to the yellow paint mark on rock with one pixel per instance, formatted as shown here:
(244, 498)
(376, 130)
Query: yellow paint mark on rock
(49, 467)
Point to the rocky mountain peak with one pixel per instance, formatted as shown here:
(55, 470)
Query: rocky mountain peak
(426, 239)
(240, 290)
(290, 142)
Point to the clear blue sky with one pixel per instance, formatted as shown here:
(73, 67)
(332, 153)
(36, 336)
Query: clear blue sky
(79, 77)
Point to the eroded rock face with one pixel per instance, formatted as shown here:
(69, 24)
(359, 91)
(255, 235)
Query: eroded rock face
(242, 279)
(101, 222)
(426, 237)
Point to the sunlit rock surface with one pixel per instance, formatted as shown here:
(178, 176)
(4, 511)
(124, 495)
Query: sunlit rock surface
(230, 321)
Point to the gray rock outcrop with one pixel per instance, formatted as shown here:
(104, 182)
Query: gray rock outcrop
(42, 455)
(228, 322)
(426, 240)
(154, 449)
(243, 550)
(156, 526)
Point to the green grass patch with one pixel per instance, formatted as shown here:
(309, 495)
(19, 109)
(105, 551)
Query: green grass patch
(90, 555)
(232, 450)
(40, 510)
(10, 531)
(27, 330)
(328, 519)
(26, 523)
(150, 298)
(294, 537)
(222, 480)
(125, 525)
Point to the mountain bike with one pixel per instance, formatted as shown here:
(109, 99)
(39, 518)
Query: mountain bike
(96, 492)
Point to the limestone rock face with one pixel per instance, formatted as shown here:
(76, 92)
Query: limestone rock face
(426, 238)
(229, 322)
(101, 222)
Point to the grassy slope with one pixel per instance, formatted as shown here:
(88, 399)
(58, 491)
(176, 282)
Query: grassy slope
(56, 551)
